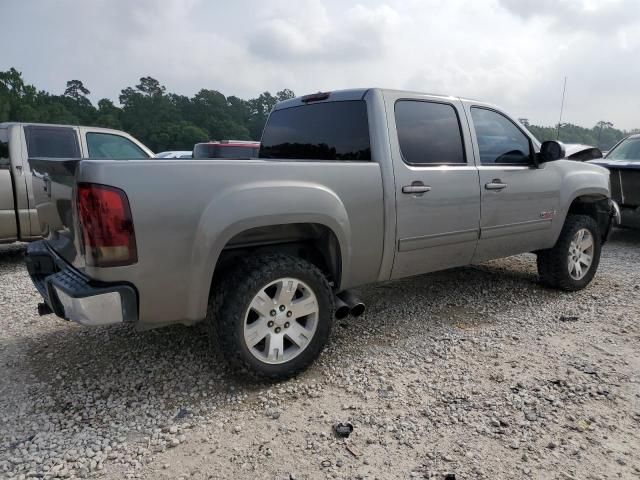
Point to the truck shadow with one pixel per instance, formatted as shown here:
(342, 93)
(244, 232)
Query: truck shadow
(625, 237)
(180, 359)
(12, 254)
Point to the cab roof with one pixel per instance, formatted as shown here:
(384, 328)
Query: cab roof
(358, 94)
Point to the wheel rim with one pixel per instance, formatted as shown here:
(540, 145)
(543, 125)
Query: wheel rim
(580, 254)
(281, 321)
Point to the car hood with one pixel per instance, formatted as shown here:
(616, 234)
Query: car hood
(620, 164)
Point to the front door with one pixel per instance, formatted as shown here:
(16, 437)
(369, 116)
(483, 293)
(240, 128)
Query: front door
(437, 189)
(519, 200)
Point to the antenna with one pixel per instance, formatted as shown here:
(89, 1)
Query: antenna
(564, 89)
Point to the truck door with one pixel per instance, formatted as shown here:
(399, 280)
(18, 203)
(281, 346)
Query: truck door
(8, 226)
(437, 188)
(519, 201)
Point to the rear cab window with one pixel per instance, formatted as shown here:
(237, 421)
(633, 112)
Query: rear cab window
(318, 131)
(112, 147)
(51, 142)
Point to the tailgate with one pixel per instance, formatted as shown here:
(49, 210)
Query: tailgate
(53, 186)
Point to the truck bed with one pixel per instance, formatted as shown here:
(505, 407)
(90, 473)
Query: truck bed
(185, 213)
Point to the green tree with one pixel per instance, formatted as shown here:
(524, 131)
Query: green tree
(76, 90)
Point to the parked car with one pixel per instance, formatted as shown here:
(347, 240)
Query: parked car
(351, 187)
(19, 141)
(581, 153)
(226, 149)
(623, 160)
(175, 154)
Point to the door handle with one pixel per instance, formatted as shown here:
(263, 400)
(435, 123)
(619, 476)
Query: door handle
(495, 184)
(416, 188)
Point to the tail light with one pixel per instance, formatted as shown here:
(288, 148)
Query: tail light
(106, 226)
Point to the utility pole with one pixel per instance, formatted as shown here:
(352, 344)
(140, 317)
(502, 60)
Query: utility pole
(564, 89)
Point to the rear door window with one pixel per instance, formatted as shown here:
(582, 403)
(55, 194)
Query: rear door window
(52, 142)
(429, 133)
(112, 147)
(318, 131)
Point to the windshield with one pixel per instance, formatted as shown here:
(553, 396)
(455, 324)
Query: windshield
(628, 149)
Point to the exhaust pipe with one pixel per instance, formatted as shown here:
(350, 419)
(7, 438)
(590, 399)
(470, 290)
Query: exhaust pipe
(342, 309)
(44, 309)
(356, 307)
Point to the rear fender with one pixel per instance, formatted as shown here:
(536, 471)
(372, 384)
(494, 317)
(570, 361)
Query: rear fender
(261, 204)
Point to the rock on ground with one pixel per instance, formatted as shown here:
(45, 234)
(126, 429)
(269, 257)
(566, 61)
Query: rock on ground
(478, 372)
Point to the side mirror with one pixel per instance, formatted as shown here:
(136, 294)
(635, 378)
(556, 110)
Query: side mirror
(551, 150)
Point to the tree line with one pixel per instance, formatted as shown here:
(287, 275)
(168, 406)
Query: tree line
(160, 120)
(603, 135)
(168, 121)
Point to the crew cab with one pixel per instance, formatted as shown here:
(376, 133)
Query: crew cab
(352, 187)
(19, 141)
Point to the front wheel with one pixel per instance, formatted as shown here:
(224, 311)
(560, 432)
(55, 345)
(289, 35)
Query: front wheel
(572, 263)
(275, 316)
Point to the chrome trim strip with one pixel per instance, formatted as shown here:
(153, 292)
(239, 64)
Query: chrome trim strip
(442, 168)
(505, 167)
(436, 240)
(515, 228)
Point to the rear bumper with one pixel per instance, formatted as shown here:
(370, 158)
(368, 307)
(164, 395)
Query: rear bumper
(73, 296)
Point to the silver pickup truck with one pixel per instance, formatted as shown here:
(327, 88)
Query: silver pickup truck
(351, 187)
(19, 141)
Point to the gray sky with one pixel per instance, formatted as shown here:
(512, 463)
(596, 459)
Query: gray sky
(514, 53)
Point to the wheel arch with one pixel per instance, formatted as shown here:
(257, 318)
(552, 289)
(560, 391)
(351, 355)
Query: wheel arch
(596, 206)
(269, 217)
(315, 242)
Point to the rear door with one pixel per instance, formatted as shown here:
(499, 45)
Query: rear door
(8, 225)
(519, 200)
(437, 189)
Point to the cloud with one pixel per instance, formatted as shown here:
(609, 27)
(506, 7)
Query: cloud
(565, 16)
(310, 33)
(514, 54)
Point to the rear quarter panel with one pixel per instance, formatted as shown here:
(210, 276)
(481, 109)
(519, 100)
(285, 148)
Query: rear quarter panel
(184, 212)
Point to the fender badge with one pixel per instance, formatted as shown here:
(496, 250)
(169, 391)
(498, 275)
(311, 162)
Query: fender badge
(548, 215)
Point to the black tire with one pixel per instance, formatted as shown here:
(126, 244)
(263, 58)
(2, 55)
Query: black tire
(227, 310)
(553, 263)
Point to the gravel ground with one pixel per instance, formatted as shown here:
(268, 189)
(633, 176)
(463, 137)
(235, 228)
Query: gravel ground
(472, 373)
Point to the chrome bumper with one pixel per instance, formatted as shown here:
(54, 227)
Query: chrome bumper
(100, 309)
(73, 296)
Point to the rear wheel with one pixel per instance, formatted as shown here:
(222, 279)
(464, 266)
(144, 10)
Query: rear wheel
(274, 317)
(572, 263)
